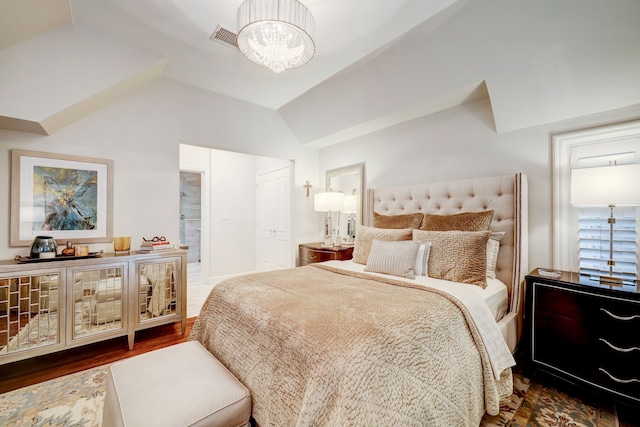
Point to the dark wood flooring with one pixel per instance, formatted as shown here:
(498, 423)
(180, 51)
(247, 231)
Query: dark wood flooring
(43, 368)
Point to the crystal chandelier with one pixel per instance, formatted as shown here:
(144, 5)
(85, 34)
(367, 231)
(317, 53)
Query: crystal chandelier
(276, 33)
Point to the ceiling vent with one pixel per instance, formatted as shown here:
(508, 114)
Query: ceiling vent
(225, 37)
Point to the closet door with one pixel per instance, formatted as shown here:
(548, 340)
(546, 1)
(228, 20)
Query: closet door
(273, 227)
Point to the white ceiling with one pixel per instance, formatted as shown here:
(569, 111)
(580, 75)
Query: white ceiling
(378, 62)
(346, 31)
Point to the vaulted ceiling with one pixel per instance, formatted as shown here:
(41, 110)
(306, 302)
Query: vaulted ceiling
(377, 62)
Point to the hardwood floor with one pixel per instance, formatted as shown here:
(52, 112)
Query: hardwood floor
(43, 368)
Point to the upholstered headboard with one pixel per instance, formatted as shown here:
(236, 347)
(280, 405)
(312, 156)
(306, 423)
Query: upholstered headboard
(506, 195)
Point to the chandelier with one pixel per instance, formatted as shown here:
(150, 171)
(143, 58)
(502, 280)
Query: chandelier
(276, 33)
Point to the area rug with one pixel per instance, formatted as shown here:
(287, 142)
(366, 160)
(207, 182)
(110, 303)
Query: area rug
(76, 401)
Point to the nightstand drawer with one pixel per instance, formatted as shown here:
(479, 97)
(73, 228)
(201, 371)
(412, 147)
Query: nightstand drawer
(315, 255)
(309, 253)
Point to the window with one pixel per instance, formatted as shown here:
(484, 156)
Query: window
(594, 242)
(581, 235)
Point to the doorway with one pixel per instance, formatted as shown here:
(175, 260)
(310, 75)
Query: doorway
(191, 214)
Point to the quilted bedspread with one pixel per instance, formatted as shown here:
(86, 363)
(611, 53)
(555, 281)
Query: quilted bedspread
(320, 347)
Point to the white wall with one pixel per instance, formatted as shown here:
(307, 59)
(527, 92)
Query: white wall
(460, 143)
(141, 132)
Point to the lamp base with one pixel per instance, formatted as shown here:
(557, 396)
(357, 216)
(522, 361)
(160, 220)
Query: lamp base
(609, 280)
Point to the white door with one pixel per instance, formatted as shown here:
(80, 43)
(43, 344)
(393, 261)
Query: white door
(273, 227)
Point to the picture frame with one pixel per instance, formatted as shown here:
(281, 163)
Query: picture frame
(69, 198)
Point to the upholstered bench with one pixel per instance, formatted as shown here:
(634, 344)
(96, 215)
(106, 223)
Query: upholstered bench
(176, 386)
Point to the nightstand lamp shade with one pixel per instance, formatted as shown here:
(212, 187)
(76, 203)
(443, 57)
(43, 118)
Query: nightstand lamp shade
(351, 209)
(350, 204)
(330, 201)
(607, 186)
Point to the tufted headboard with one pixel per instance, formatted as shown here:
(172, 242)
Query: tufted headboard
(506, 195)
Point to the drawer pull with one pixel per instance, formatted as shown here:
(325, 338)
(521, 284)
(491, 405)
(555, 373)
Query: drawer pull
(313, 256)
(620, 349)
(635, 316)
(618, 380)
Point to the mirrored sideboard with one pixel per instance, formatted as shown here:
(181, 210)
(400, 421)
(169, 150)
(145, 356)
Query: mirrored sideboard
(51, 306)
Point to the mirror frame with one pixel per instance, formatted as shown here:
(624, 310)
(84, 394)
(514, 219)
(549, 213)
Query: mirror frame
(358, 169)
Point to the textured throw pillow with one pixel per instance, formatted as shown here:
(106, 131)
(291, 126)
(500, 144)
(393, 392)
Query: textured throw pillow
(466, 221)
(366, 235)
(458, 256)
(421, 267)
(397, 221)
(395, 258)
(493, 246)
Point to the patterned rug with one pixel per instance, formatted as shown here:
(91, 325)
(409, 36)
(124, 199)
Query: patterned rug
(76, 401)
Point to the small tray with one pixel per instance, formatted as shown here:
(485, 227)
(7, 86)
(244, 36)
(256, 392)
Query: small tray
(28, 260)
(547, 272)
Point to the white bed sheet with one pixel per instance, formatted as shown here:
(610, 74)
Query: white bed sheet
(476, 300)
(495, 295)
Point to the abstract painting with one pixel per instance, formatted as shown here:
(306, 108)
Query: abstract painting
(67, 197)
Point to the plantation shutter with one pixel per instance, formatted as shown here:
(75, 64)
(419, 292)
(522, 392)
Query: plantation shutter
(594, 238)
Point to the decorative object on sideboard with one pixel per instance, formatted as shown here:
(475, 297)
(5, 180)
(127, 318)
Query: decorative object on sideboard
(68, 250)
(611, 186)
(276, 34)
(65, 197)
(157, 243)
(86, 254)
(330, 202)
(122, 244)
(44, 247)
(82, 250)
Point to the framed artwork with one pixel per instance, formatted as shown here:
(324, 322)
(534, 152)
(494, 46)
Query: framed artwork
(65, 197)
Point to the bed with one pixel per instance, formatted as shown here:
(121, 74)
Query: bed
(348, 343)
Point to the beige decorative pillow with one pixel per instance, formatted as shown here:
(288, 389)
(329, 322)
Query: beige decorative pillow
(397, 221)
(366, 235)
(493, 246)
(466, 221)
(395, 258)
(459, 256)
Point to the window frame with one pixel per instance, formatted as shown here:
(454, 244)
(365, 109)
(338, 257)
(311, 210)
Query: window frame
(562, 144)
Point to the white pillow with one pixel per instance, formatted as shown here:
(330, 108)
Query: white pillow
(421, 267)
(397, 258)
(493, 245)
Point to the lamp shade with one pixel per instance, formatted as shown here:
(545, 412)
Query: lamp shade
(329, 201)
(350, 204)
(605, 186)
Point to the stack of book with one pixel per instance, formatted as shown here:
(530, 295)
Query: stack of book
(149, 246)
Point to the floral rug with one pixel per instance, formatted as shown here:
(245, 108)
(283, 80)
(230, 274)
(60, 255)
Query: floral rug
(71, 401)
(76, 401)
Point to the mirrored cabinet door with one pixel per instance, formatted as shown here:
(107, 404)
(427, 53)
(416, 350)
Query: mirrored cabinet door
(98, 300)
(30, 310)
(158, 289)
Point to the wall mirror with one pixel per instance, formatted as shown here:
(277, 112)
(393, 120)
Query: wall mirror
(350, 181)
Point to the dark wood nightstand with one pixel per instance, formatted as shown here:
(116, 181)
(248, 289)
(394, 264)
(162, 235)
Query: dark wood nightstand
(308, 253)
(585, 333)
